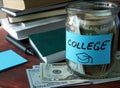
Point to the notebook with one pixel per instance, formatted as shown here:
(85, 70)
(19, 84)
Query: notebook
(50, 45)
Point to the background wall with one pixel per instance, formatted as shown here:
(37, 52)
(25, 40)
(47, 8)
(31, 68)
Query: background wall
(2, 15)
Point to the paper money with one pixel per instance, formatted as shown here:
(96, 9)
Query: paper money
(58, 72)
(36, 66)
(118, 55)
(58, 75)
(35, 81)
(115, 70)
(30, 78)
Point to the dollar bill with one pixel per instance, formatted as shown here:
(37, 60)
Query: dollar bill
(35, 82)
(34, 78)
(36, 66)
(58, 72)
(58, 75)
(30, 78)
(118, 55)
(115, 70)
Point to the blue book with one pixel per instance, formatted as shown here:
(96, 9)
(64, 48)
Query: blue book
(9, 59)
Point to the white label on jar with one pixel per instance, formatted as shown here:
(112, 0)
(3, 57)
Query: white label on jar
(88, 50)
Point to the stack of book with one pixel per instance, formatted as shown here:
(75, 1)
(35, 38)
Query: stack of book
(42, 22)
(25, 17)
(22, 30)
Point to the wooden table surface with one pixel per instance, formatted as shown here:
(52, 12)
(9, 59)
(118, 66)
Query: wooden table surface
(16, 77)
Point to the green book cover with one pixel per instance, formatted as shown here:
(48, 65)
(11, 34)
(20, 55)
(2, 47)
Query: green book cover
(48, 43)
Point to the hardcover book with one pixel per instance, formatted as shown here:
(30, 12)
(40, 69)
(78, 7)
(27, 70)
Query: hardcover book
(21, 31)
(38, 15)
(29, 4)
(50, 46)
(14, 12)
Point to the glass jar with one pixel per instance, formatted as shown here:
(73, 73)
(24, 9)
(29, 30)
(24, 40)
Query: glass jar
(91, 37)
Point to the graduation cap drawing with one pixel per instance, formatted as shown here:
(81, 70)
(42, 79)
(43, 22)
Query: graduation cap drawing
(84, 58)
